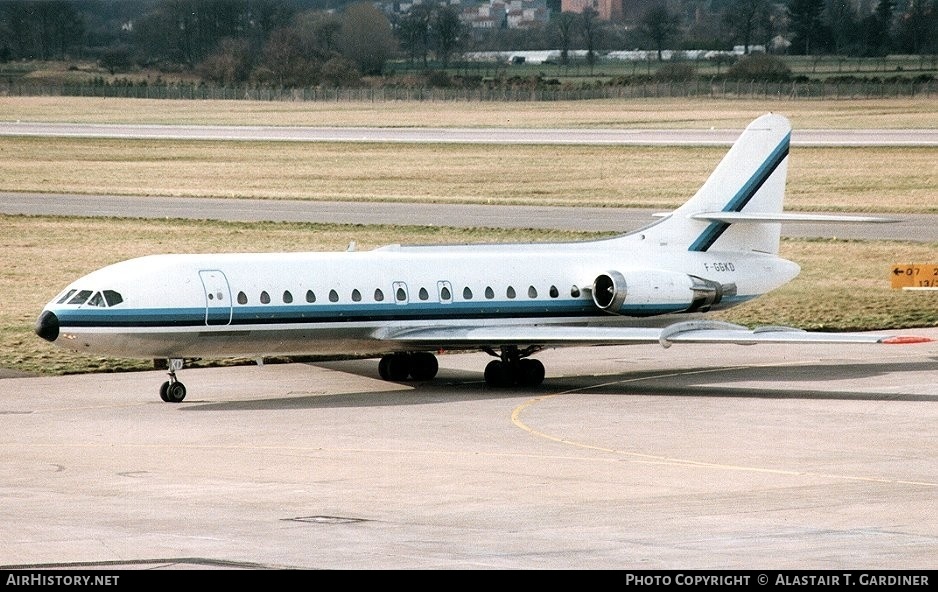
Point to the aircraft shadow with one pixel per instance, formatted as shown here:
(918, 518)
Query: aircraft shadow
(711, 382)
(456, 386)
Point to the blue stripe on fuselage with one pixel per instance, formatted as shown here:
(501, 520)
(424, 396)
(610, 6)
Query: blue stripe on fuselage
(745, 194)
(258, 316)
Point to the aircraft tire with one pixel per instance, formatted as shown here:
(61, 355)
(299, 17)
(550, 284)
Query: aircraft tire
(530, 372)
(164, 392)
(498, 374)
(394, 367)
(423, 366)
(175, 392)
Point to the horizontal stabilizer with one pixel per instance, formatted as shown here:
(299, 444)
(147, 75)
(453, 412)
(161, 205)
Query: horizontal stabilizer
(761, 217)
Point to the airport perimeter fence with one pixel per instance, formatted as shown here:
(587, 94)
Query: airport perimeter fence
(701, 89)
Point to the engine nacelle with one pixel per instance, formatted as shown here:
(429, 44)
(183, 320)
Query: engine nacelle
(653, 292)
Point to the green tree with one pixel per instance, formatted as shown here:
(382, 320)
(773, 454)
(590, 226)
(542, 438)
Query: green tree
(41, 30)
(589, 29)
(806, 25)
(448, 33)
(917, 30)
(564, 24)
(413, 31)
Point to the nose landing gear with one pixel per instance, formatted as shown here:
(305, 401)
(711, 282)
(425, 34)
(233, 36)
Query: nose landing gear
(173, 391)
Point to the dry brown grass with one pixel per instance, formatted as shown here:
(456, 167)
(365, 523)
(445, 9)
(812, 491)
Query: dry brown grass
(634, 113)
(845, 179)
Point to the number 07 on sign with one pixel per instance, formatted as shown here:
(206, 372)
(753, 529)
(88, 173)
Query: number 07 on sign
(914, 276)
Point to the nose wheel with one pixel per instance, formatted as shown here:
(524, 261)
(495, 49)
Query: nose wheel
(173, 391)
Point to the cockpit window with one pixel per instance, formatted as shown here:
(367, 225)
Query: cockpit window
(96, 300)
(80, 298)
(112, 298)
(66, 296)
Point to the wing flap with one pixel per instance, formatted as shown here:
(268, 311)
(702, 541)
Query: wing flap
(684, 332)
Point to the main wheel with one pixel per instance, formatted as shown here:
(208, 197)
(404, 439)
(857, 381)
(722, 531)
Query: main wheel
(164, 391)
(394, 367)
(498, 374)
(530, 372)
(423, 366)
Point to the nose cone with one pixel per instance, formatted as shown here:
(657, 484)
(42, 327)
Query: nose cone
(47, 326)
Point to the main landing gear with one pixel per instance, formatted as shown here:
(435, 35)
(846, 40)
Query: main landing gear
(414, 365)
(172, 390)
(514, 368)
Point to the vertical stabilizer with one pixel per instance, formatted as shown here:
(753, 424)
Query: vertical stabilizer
(751, 180)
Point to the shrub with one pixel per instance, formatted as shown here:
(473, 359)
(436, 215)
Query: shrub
(761, 67)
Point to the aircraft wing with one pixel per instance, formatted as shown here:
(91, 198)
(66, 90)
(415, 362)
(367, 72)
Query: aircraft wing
(684, 332)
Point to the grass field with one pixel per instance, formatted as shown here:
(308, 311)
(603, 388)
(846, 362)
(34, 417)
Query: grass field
(645, 113)
(880, 179)
(843, 284)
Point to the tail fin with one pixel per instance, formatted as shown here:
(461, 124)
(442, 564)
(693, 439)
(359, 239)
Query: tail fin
(747, 186)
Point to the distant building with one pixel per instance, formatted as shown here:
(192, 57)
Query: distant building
(607, 10)
(507, 14)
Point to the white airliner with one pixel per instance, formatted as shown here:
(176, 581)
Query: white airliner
(653, 285)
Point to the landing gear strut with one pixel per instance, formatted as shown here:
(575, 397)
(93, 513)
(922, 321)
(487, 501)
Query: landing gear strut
(401, 366)
(514, 368)
(172, 390)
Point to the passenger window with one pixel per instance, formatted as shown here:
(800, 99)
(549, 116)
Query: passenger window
(96, 300)
(423, 295)
(265, 297)
(511, 292)
(532, 292)
(310, 296)
(242, 298)
(489, 292)
(401, 295)
(445, 294)
(80, 297)
(287, 297)
(467, 293)
(333, 296)
(574, 291)
(66, 297)
(379, 295)
(356, 296)
(554, 292)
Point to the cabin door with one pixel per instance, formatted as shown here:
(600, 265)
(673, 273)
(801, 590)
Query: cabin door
(217, 297)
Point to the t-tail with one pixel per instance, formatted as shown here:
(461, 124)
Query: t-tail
(739, 208)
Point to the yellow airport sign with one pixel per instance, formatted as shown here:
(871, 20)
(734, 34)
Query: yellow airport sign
(914, 275)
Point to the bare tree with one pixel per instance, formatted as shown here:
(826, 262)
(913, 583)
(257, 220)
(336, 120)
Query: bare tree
(589, 28)
(365, 37)
(564, 24)
(659, 26)
(448, 33)
(747, 18)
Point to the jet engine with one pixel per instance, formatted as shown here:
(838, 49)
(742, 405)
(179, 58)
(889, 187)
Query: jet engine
(653, 292)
